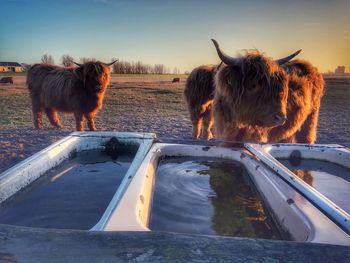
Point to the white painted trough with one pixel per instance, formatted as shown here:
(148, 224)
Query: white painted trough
(331, 193)
(297, 215)
(21, 176)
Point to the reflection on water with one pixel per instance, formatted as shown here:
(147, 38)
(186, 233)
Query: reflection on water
(73, 195)
(304, 175)
(208, 196)
(330, 179)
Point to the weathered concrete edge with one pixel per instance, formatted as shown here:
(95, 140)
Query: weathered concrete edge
(21, 244)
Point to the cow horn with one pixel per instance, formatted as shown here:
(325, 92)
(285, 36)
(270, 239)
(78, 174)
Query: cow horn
(224, 58)
(79, 65)
(110, 64)
(286, 59)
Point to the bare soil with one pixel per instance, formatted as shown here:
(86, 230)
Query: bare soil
(140, 105)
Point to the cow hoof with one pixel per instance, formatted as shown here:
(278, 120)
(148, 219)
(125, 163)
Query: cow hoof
(209, 137)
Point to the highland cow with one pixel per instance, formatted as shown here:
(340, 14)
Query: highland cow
(79, 90)
(176, 80)
(258, 99)
(199, 95)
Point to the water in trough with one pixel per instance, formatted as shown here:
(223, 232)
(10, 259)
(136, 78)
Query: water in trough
(330, 179)
(208, 196)
(73, 195)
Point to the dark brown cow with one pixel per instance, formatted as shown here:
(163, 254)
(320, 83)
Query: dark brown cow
(258, 99)
(176, 80)
(6, 80)
(78, 90)
(199, 95)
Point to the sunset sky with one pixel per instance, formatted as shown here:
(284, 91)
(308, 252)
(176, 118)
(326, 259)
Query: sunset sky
(175, 33)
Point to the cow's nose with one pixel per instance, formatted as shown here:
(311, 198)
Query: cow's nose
(280, 119)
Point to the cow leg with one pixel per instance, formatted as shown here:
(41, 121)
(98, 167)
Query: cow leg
(53, 117)
(79, 120)
(90, 120)
(307, 132)
(208, 125)
(197, 121)
(37, 113)
(197, 127)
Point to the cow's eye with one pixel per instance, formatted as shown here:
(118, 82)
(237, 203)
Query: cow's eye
(228, 81)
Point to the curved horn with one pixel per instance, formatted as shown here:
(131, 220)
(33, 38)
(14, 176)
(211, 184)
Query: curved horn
(79, 65)
(224, 58)
(110, 64)
(286, 59)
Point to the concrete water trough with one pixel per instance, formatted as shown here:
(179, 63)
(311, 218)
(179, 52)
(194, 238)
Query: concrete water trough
(123, 183)
(73, 184)
(292, 214)
(320, 172)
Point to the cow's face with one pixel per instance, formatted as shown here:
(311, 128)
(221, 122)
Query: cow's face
(257, 90)
(94, 76)
(255, 86)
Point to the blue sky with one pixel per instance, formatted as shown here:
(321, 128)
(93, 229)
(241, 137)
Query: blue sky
(175, 33)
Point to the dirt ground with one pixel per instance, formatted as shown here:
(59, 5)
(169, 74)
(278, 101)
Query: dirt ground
(141, 105)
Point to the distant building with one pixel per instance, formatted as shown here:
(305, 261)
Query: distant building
(11, 66)
(340, 70)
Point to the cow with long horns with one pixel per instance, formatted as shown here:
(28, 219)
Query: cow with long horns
(79, 90)
(258, 99)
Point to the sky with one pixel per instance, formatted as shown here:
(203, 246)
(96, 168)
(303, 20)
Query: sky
(176, 33)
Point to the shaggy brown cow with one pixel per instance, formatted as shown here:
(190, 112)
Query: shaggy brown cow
(257, 99)
(199, 95)
(78, 90)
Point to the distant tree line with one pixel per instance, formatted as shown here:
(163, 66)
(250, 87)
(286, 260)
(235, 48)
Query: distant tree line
(48, 59)
(125, 67)
(120, 67)
(67, 61)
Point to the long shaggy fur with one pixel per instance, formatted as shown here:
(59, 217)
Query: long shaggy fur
(199, 94)
(72, 90)
(306, 88)
(249, 95)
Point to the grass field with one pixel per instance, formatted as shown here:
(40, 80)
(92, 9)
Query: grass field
(146, 104)
(123, 100)
(152, 76)
(13, 74)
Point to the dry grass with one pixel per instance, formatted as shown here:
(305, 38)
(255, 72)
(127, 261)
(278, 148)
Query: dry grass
(150, 105)
(136, 103)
